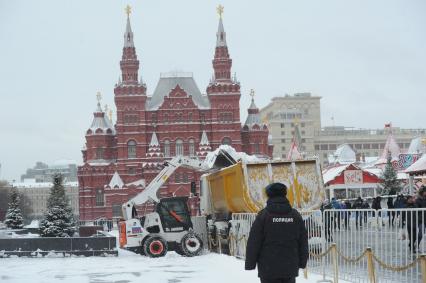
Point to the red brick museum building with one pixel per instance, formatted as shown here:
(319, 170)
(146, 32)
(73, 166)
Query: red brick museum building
(177, 119)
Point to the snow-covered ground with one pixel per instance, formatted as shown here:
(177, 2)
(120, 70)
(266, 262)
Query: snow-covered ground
(127, 268)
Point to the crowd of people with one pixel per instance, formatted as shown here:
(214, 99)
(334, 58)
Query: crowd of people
(414, 221)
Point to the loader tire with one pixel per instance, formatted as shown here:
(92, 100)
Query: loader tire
(155, 246)
(190, 245)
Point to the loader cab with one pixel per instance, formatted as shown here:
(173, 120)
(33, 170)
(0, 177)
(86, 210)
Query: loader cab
(174, 214)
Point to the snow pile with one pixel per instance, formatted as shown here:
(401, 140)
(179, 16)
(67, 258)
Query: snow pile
(237, 156)
(34, 224)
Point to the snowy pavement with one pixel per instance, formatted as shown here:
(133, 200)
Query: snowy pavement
(128, 268)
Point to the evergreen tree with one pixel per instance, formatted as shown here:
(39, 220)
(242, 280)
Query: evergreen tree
(58, 220)
(14, 219)
(390, 184)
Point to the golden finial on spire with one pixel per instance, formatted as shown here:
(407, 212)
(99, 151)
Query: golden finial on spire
(98, 96)
(252, 93)
(110, 115)
(219, 10)
(128, 10)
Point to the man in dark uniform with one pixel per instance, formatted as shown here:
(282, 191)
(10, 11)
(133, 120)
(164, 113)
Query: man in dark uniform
(278, 241)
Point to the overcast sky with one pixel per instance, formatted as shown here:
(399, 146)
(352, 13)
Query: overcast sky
(367, 59)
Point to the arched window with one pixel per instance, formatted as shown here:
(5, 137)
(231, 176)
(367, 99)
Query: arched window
(190, 117)
(99, 198)
(99, 153)
(177, 178)
(166, 118)
(131, 149)
(191, 147)
(166, 148)
(179, 147)
(256, 148)
(179, 117)
(226, 141)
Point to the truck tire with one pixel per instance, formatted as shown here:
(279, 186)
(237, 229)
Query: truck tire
(155, 246)
(190, 245)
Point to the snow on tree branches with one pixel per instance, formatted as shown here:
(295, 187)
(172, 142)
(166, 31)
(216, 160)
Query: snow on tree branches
(390, 184)
(58, 220)
(14, 219)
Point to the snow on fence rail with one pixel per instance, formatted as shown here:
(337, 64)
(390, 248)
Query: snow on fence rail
(357, 245)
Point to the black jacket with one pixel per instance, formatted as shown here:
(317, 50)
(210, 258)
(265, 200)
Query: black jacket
(278, 241)
(421, 203)
(376, 203)
(357, 204)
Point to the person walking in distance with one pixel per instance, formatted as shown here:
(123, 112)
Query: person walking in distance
(421, 203)
(391, 213)
(347, 214)
(412, 224)
(401, 203)
(278, 240)
(365, 205)
(358, 214)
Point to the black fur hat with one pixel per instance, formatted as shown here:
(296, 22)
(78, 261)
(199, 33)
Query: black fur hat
(276, 190)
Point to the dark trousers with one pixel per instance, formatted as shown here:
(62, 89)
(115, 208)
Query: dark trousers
(358, 217)
(278, 280)
(412, 237)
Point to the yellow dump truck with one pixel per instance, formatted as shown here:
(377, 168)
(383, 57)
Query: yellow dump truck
(240, 188)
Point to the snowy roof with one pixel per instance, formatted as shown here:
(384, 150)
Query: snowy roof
(204, 139)
(220, 35)
(154, 140)
(101, 162)
(379, 173)
(392, 147)
(416, 146)
(116, 181)
(332, 172)
(140, 182)
(154, 149)
(204, 146)
(344, 154)
(418, 167)
(253, 117)
(41, 184)
(101, 121)
(169, 81)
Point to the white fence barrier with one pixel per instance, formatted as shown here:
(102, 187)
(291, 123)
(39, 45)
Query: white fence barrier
(357, 245)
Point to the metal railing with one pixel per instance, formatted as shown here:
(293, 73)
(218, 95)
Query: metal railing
(107, 224)
(357, 245)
